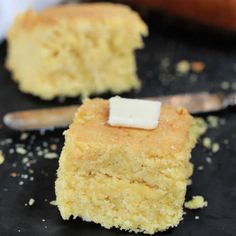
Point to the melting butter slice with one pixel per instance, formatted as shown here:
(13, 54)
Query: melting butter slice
(134, 113)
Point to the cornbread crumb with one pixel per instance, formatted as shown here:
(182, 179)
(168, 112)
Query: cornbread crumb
(51, 155)
(151, 176)
(200, 168)
(183, 67)
(200, 126)
(189, 182)
(100, 40)
(24, 136)
(2, 159)
(196, 203)
(213, 121)
(21, 151)
(196, 217)
(207, 142)
(13, 174)
(208, 160)
(215, 147)
(54, 203)
(31, 202)
(197, 66)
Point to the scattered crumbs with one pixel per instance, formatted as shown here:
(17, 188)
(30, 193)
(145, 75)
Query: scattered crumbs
(215, 147)
(226, 141)
(11, 151)
(45, 199)
(189, 182)
(53, 147)
(206, 142)
(196, 202)
(200, 168)
(213, 121)
(21, 183)
(21, 151)
(225, 85)
(24, 136)
(183, 67)
(14, 165)
(209, 160)
(1, 158)
(45, 227)
(31, 202)
(31, 178)
(31, 171)
(24, 176)
(6, 141)
(54, 203)
(184, 213)
(51, 155)
(45, 144)
(13, 174)
(201, 126)
(40, 153)
(18, 230)
(197, 66)
(25, 160)
(197, 217)
(43, 220)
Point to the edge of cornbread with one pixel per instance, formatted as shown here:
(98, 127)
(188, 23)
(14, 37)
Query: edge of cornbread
(75, 49)
(131, 179)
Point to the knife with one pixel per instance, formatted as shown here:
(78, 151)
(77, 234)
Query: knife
(59, 117)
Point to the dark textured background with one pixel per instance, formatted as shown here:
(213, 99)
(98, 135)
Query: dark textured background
(175, 40)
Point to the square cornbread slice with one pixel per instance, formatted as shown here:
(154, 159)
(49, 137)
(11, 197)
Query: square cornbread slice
(75, 49)
(128, 178)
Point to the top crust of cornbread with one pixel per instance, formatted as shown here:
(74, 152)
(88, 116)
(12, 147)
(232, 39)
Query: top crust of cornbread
(170, 136)
(92, 11)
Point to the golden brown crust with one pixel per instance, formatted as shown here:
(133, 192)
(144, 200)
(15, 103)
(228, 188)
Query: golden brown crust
(92, 11)
(170, 136)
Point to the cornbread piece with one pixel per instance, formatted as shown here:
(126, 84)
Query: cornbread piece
(196, 203)
(133, 179)
(75, 49)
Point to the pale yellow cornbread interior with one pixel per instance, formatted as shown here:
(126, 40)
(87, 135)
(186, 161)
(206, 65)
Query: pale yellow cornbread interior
(75, 49)
(128, 178)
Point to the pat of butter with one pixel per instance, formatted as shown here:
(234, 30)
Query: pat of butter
(134, 113)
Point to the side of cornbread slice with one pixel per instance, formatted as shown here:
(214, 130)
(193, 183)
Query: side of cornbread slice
(133, 179)
(75, 49)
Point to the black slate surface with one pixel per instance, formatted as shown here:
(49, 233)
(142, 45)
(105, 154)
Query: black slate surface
(217, 182)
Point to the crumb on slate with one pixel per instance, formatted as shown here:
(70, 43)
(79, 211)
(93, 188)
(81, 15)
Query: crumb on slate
(2, 159)
(196, 202)
(31, 202)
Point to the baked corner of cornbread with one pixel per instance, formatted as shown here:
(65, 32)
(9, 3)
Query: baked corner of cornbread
(75, 49)
(132, 179)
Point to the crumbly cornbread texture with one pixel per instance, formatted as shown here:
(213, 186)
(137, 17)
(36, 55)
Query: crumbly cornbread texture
(132, 179)
(75, 49)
